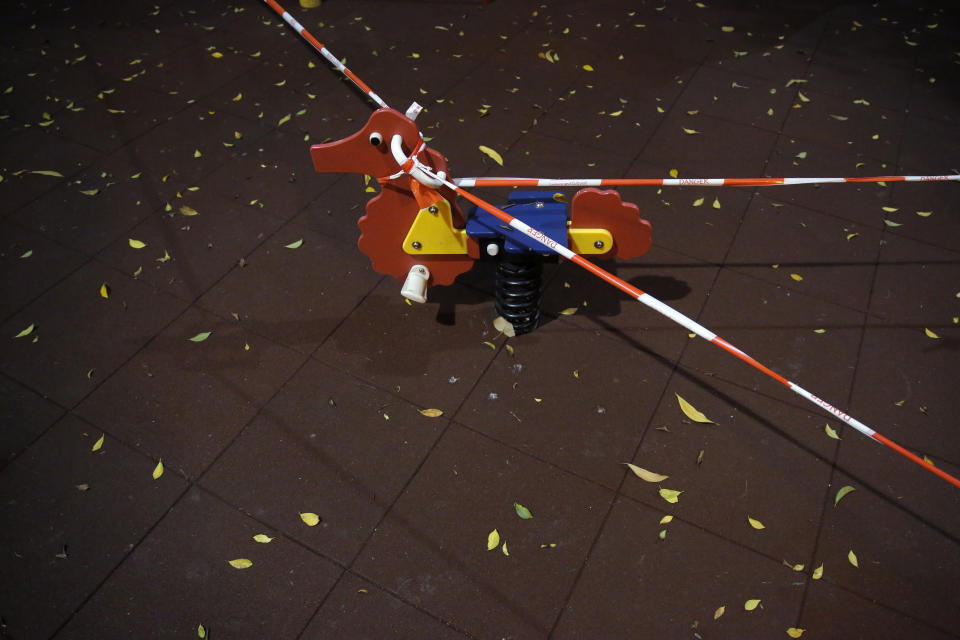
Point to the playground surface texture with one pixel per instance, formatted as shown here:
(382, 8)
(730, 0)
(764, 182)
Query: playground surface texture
(194, 352)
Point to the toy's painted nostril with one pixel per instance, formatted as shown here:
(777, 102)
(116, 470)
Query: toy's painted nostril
(376, 139)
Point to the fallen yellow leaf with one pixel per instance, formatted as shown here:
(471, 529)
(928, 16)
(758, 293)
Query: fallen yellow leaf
(756, 524)
(310, 519)
(587, 67)
(105, 290)
(831, 432)
(158, 470)
(262, 538)
(137, 244)
(26, 331)
(818, 572)
(188, 211)
(698, 202)
(852, 557)
(794, 632)
(241, 563)
(666, 519)
(670, 495)
(691, 412)
(796, 276)
(98, 444)
(504, 549)
(931, 334)
(431, 413)
(716, 203)
(690, 131)
(569, 311)
(504, 326)
(750, 605)
(674, 173)
(719, 611)
(493, 540)
(643, 474)
(493, 154)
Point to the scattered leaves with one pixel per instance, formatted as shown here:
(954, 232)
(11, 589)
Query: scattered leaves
(504, 549)
(818, 572)
(200, 337)
(241, 563)
(201, 631)
(136, 244)
(751, 604)
(158, 470)
(431, 413)
(647, 476)
(796, 276)
(188, 211)
(666, 519)
(852, 557)
(569, 311)
(719, 611)
(691, 412)
(296, 244)
(98, 444)
(262, 538)
(310, 519)
(698, 202)
(931, 334)
(690, 132)
(756, 524)
(831, 432)
(794, 632)
(104, 290)
(47, 172)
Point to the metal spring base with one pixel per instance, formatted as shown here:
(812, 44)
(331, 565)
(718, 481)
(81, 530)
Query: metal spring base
(518, 292)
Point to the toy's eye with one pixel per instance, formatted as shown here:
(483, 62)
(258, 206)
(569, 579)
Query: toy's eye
(376, 139)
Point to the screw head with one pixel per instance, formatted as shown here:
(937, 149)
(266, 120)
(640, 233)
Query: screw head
(433, 209)
(416, 245)
(598, 244)
(538, 205)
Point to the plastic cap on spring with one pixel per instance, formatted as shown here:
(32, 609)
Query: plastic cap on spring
(415, 286)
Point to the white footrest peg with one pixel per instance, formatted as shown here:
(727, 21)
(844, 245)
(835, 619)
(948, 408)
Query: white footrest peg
(415, 286)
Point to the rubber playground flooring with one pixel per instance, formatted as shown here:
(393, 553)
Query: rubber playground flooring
(213, 411)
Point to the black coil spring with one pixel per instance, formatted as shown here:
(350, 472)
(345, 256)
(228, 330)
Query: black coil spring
(518, 293)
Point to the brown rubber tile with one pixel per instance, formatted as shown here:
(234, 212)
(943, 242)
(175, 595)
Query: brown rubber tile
(914, 286)
(700, 154)
(597, 397)
(431, 549)
(833, 610)
(860, 203)
(191, 548)
(25, 416)
(29, 265)
(118, 197)
(32, 151)
(323, 282)
(346, 459)
(837, 122)
(634, 583)
(430, 354)
(79, 337)
(896, 538)
(778, 241)
(192, 246)
(357, 608)
(66, 540)
(750, 100)
(176, 388)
